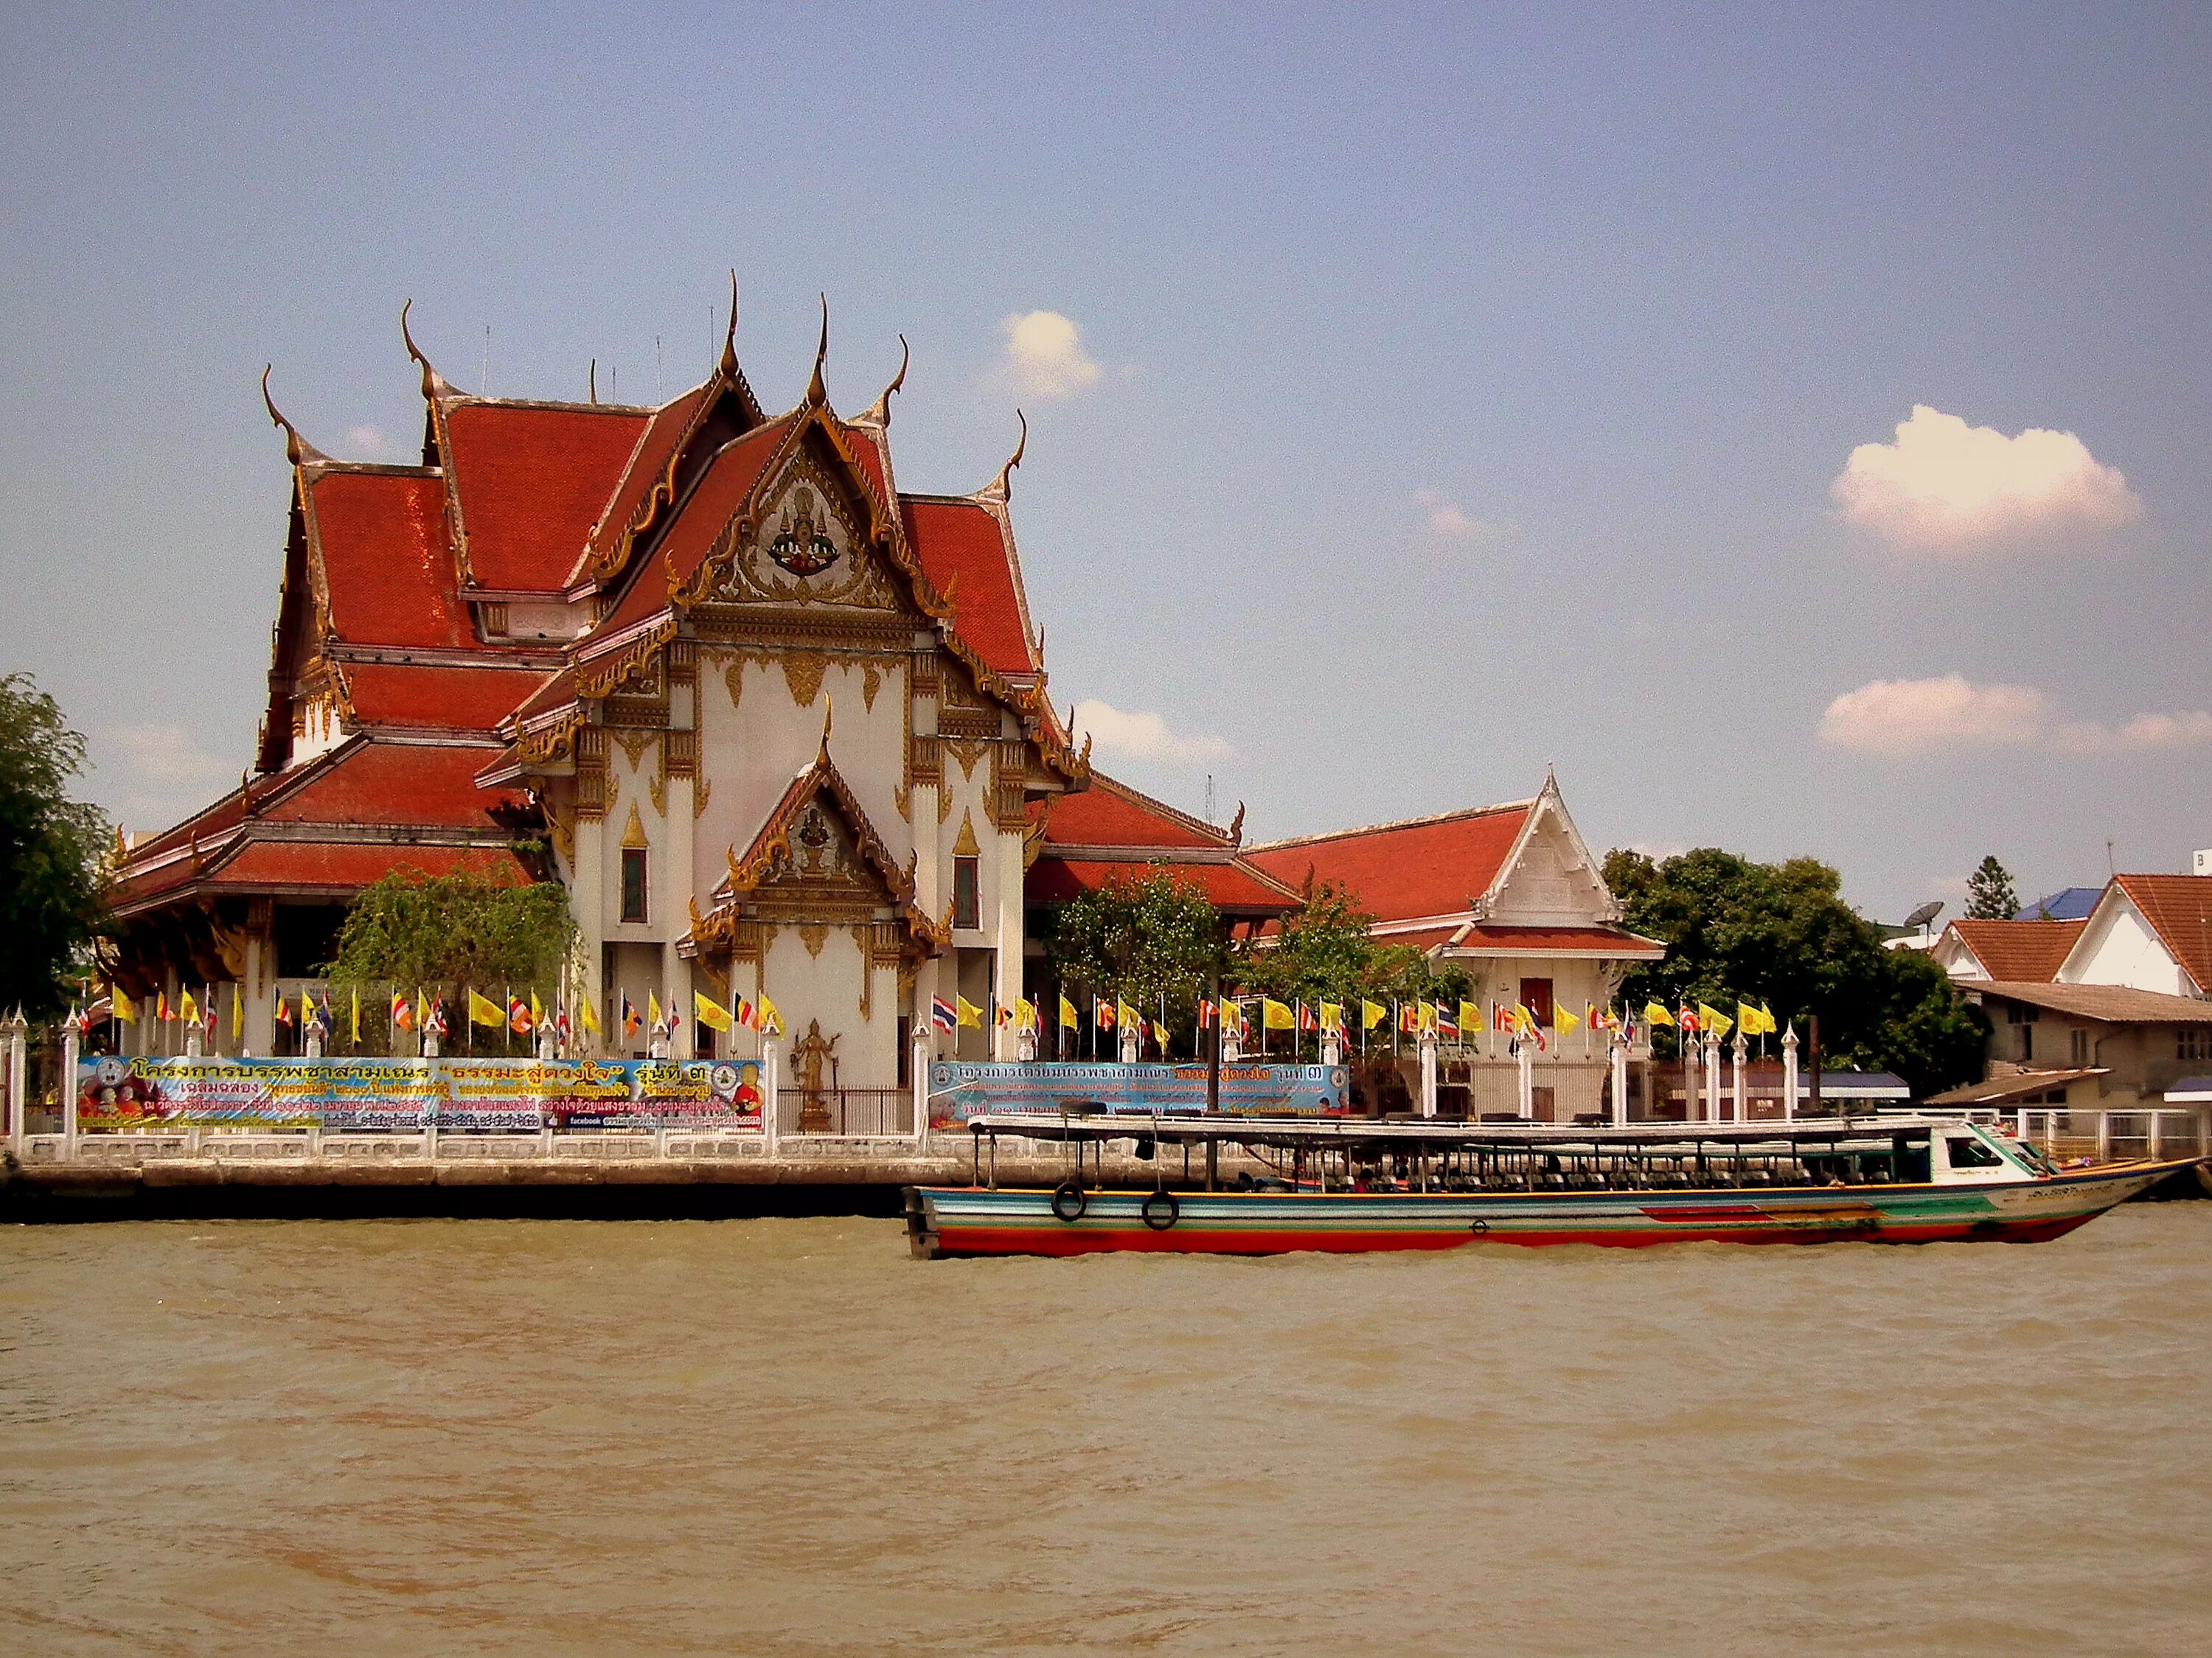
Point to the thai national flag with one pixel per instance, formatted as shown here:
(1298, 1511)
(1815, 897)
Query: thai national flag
(943, 1014)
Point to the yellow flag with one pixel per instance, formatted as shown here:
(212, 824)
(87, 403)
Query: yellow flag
(1425, 1016)
(770, 1020)
(484, 1010)
(585, 1014)
(1277, 1015)
(1331, 1015)
(1655, 1014)
(1127, 1018)
(357, 1016)
(190, 1013)
(238, 1014)
(1562, 1021)
(651, 1009)
(1160, 1034)
(708, 1011)
(1766, 1024)
(1371, 1014)
(126, 1005)
(1069, 1019)
(970, 1015)
(1712, 1019)
(1746, 1019)
(1470, 1018)
(536, 1010)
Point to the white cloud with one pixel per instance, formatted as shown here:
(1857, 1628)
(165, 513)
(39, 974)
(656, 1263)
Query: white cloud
(1447, 518)
(1905, 718)
(165, 754)
(367, 442)
(1045, 358)
(1142, 736)
(1948, 486)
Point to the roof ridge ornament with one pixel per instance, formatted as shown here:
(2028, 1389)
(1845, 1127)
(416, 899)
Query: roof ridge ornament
(817, 393)
(297, 449)
(828, 719)
(434, 384)
(729, 359)
(1001, 488)
(878, 413)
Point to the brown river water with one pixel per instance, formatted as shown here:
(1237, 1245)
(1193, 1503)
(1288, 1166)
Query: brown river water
(784, 1436)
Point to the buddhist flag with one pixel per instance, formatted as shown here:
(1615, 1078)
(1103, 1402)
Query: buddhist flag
(403, 1012)
(1562, 1021)
(483, 1011)
(972, 1016)
(284, 1010)
(1331, 1015)
(1003, 1015)
(517, 1016)
(1306, 1019)
(1712, 1019)
(711, 1013)
(586, 1015)
(162, 1013)
(1409, 1018)
(191, 1011)
(1276, 1016)
(1208, 1013)
(748, 1015)
(435, 1020)
(1069, 1019)
(1686, 1018)
(1371, 1014)
(632, 1020)
(1102, 1013)
(1655, 1014)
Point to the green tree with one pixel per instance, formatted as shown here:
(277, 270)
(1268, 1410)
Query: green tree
(1781, 933)
(1153, 939)
(51, 854)
(1326, 951)
(414, 929)
(1990, 896)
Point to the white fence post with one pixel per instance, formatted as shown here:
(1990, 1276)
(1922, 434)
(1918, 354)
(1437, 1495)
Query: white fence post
(1428, 1073)
(19, 1108)
(769, 1103)
(918, 1062)
(68, 1092)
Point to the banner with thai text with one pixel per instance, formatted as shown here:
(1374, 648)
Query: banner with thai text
(364, 1095)
(959, 1090)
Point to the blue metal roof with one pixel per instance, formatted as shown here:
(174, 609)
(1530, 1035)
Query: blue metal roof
(2067, 904)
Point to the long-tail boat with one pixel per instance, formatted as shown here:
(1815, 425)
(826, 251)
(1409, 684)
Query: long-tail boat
(1344, 1185)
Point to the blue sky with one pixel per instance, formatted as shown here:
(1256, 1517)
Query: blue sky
(1450, 392)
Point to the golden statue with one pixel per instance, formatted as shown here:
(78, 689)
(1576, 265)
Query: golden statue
(809, 1054)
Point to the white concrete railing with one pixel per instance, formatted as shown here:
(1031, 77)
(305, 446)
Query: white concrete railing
(2114, 1134)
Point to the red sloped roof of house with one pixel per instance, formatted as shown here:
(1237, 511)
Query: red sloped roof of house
(1112, 814)
(400, 784)
(441, 698)
(2180, 908)
(963, 552)
(388, 559)
(319, 866)
(2019, 950)
(1399, 871)
(1227, 886)
(533, 479)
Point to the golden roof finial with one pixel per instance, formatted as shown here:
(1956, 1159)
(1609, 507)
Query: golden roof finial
(433, 383)
(297, 449)
(878, 413)
(828, 719)
(730, 334)
(1002, 487)
(817, 393)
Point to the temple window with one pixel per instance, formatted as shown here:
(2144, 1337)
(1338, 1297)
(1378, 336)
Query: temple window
(632, 883)
(1536, 997)
(967, 905)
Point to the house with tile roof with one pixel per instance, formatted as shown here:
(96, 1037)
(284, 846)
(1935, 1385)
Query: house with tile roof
(2005, 950)
(1511, 894)
(2148, 931)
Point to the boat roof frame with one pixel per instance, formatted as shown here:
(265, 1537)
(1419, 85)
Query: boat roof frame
(1428, 1133)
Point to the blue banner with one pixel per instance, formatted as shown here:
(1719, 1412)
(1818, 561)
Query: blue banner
(959, 1091)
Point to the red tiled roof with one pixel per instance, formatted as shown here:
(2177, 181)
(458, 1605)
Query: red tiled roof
(317, 866)
(863, 442)
(446, 698)
(1536, 940)
(1227, 886)
(2018, 950)
(533, 479)
(963, 552)
(397, 784)
(2179, 908)
(1112, 814)
(648, 459)
(1399, 871)
(388, 560)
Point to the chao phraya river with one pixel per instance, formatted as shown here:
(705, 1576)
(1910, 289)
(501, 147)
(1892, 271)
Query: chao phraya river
(786, 1438)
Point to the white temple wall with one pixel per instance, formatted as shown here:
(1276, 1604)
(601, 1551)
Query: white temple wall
(808, 986)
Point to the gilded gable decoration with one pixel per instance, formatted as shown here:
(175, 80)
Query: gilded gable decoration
(634, 831)
(964, 845)
(802, 675)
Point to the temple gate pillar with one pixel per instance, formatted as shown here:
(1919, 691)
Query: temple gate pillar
(1526, 1054)
(1009, 936)
(68, 1091)
(1428, 1073)
(918, 1070)
(1712, 1077)
(1735, 1076)
(1619, 1054)
(1789, 1072)
(17, 1030)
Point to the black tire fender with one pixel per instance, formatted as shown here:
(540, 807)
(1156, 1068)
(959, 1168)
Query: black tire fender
(1069, 1200)
(1161, 1210)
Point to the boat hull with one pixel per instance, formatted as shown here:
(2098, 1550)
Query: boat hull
(965, 1220)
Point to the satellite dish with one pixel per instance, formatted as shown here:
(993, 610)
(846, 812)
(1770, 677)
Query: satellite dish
(1925, 914)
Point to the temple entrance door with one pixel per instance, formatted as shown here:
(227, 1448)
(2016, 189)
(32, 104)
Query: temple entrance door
(1543, 1102)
